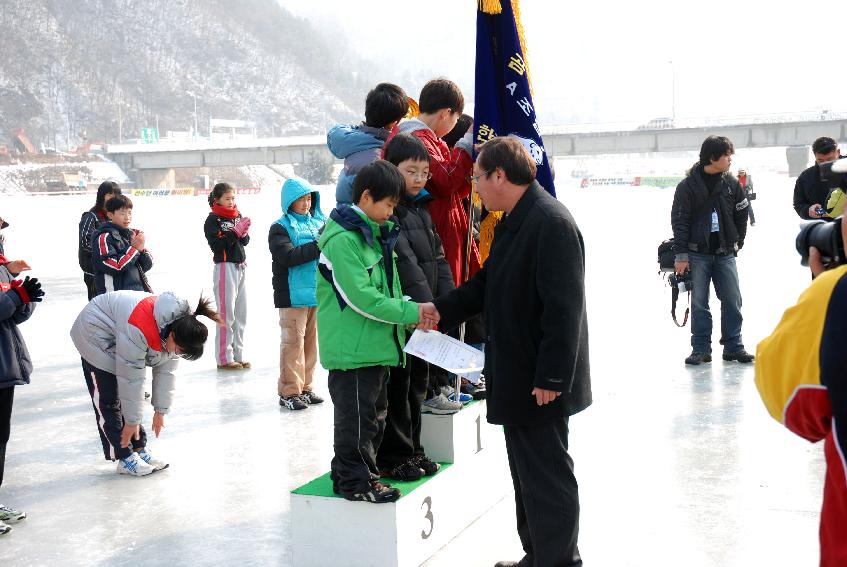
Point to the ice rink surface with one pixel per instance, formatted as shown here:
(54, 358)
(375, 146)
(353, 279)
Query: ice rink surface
(677, 465)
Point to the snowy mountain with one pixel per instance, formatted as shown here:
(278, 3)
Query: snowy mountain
(100, 70)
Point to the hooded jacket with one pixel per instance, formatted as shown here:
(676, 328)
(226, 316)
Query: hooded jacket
(15, 363)
(691, 215)
(449, 186)
(122, 333)
(357, 146)
(361, 310)
(424, 273)
(117, 264)
(294, 248)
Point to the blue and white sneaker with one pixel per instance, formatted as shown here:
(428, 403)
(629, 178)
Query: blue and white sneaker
(463, 397)
(11, 515)
(134, 465)
(148, 458)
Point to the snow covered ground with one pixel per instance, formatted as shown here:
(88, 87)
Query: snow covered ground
(677, 465)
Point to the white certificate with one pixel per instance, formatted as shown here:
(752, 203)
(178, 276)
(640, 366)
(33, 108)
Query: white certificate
(448, 353)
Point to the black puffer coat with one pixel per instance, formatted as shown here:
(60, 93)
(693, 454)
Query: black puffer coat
(423, 270)
(15, 364)
(691, 215)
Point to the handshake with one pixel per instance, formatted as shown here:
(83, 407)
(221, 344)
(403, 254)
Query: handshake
(428, 316)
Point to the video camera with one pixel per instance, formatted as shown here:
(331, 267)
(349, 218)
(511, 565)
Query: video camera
(833, 173)
(826, 237)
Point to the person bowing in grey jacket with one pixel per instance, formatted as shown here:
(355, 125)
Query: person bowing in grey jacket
(119, 334)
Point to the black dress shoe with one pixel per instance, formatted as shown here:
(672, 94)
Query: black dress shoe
(696, 358)
(741, 356)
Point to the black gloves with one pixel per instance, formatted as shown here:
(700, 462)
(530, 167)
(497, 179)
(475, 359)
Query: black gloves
(28, 290)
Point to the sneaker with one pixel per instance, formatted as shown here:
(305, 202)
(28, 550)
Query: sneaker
(440, 405)
(428, 466)
(231, 366)
(4, 528)
(406, 471)
(448, 391)
(134, 465)
(244, 364)
(11, 515)
(148, 458)
(311, 398)
(696, 358)
(293, 403)
(463, 398)
(741, 356)
(475, 391)
(378, 494)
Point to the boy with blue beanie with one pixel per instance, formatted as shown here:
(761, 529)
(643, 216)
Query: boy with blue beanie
(360, 145)
(294, 249)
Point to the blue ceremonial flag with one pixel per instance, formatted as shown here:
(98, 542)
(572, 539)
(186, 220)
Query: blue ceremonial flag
(503, 102)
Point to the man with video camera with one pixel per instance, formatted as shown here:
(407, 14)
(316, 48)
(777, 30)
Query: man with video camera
(801, 373)
(709, 220)
(811, 189)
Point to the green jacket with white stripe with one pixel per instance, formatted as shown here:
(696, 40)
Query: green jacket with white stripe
(361, 310)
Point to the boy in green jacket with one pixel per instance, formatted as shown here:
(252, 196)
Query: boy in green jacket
(361, 326)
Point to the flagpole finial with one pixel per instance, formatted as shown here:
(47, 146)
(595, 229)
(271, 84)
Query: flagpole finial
(490, 6)
(414, 109)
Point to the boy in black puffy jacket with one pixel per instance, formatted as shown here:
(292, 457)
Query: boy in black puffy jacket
(118, 253)
(424, 274)
(17, 302)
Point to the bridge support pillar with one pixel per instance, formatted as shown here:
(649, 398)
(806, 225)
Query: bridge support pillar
(798, 159)
(156, 178)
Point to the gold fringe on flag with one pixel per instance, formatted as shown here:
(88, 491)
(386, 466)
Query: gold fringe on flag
(486, 234)
(414, 109)
(490, 6)
(517, 11)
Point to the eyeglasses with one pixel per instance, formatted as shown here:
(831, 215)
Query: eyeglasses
(419, 175)
(475, 178)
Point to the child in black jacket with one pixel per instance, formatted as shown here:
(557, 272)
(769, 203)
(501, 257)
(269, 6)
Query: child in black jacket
(226, 232)
(118, 253)
(17, 302)
(424, 274)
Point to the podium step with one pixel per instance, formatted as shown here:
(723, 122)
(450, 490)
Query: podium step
(329, 530)
(451, 438)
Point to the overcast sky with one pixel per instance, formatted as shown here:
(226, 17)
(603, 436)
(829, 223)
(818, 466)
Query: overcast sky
(610, 61)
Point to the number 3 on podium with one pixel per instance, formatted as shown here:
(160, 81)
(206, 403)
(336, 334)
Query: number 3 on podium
(428, 516)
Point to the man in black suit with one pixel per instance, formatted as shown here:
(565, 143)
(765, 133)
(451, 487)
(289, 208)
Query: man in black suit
(531, 291)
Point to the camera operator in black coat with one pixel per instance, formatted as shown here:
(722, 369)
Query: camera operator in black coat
(810, 191)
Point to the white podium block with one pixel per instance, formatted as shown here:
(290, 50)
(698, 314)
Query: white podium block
(451, 438)
(328, 530)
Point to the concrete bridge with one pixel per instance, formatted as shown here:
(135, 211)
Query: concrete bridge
(152, 165)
